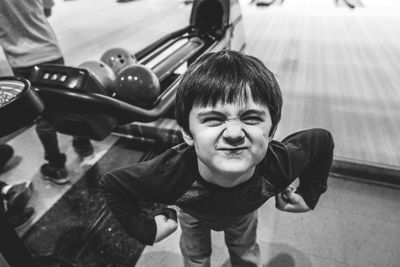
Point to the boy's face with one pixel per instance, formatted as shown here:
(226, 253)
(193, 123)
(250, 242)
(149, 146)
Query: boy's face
(229, 139)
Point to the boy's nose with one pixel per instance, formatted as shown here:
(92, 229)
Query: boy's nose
(233, 134)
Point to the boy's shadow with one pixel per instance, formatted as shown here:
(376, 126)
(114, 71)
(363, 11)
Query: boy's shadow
(281, 260)
(283, 255)
(280, 255)
(273, 255)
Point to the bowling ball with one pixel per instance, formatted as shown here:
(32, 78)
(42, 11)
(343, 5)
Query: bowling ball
(137, 85)
(118, 59)
(104, 75)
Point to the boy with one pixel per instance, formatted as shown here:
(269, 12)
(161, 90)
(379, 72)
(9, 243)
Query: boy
(228, 106)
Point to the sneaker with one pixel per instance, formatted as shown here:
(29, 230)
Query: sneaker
(18, 195)
(58, 175)
(21, 219)
(82, 146)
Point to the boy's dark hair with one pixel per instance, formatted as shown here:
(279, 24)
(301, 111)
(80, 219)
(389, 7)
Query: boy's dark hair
(227, 76)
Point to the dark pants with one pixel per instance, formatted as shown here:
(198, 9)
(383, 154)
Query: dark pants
(240, 238)
(46, 132)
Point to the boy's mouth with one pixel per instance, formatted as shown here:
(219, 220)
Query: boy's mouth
(232, 149)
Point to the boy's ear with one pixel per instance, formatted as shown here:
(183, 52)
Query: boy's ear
(187, 137)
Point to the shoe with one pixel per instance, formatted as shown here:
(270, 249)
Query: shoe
(82, 146)
(17, 196)
(58, 175)
(6, 153)
(20, 219)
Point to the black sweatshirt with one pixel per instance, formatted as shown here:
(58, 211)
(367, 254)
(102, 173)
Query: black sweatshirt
(173, 178)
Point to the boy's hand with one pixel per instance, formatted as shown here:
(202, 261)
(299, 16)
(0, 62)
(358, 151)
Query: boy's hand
(166, 224)
(290, 201)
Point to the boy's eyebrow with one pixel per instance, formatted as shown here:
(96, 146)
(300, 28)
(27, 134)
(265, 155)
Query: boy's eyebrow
(209, 112)
(252, 111)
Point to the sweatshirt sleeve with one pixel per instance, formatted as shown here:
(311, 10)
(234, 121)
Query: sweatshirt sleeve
(159, 180)
(122, 194)
(311, 155)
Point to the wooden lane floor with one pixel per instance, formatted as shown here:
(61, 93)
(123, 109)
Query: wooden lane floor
(337, 68)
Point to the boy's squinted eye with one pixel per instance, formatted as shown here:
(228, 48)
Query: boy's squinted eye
(252, 120)
(212, 121)
(212, 118)
(253, 117)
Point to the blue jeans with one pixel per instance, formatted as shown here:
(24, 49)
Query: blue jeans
(240, 238)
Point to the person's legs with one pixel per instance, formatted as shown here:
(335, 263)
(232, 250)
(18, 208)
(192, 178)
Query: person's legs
(81, 145)
(240, 238)
(46, 132)
(195, 242)
(48, 137)
(54, 170)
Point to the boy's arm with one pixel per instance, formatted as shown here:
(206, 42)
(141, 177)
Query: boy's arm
(159, 180)
(122, 199)
(312, 166)
(135, 221)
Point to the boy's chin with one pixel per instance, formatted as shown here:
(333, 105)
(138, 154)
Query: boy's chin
(234, 168)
